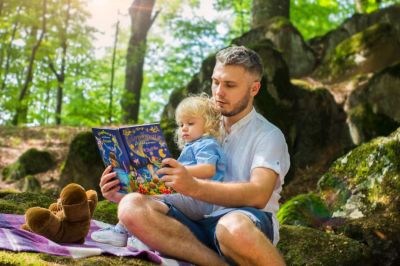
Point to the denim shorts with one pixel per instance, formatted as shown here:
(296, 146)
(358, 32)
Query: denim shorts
(204, 229)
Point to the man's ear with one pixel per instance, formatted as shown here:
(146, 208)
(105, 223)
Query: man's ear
(255, 88)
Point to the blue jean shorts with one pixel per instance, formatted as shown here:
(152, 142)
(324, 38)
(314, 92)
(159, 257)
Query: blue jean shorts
(204, 229)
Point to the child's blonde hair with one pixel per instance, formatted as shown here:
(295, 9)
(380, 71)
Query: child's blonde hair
(199, 106)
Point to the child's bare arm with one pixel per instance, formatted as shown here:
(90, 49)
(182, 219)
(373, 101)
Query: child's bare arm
(203, 171)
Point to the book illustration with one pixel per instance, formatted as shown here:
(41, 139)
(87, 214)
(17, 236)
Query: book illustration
(135, 153)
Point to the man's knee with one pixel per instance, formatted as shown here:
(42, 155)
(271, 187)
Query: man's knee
(234, 228)
(130, 206)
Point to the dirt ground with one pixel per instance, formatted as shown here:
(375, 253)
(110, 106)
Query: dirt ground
(14, 141)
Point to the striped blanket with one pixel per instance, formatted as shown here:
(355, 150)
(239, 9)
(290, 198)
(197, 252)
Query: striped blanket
(14, 239)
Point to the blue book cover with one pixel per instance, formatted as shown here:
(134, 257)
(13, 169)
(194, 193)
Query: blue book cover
(135, 152)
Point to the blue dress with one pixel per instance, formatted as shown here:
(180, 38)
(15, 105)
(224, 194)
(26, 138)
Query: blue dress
(205, 150)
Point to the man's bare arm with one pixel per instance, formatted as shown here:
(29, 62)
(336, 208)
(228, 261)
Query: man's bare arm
(255, 193)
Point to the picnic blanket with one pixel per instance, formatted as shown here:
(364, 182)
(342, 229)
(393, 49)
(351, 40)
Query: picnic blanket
(14, 239)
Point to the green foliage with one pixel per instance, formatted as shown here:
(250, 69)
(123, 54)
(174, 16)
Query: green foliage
(177, 44)
(305, 209)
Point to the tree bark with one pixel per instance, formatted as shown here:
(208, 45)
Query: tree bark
(22, 105)
(141, 20)
(263, 10)
(110, 107)
(61, 76)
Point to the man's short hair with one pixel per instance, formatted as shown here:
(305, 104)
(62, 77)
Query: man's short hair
(242, 56)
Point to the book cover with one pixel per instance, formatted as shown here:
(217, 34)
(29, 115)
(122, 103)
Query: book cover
(135, 152)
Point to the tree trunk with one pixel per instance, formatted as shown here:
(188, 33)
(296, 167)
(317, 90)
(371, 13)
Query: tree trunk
(110, 107)
(141, 20)
(263, 10)
(22, 104)
(61, 76)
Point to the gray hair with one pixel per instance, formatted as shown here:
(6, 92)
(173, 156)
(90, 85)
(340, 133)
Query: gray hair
(242, 56)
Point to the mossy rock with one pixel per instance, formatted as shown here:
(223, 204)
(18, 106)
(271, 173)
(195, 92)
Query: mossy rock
(365, 180)
(306, 246)
(83, 165)
(370, 50)
(369, 124)
(29, 184)
(106, 211)
(305, 210)
(380, 232)
(30, 162)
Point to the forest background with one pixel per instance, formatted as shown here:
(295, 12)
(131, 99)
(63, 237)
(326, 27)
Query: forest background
(52, 70)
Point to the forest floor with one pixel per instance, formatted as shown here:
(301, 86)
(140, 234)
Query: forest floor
(14, 141)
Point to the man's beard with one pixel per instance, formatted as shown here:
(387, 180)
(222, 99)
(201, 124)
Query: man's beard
(239, 107)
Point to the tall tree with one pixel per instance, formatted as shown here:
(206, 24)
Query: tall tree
(60, 75)
(265, 9)
(110, 105)
(22, 104)
(141, 13)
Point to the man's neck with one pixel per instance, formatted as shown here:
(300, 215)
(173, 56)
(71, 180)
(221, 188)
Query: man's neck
(231, 120)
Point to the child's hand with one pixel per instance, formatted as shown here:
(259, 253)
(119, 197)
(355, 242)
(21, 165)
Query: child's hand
(177, 176)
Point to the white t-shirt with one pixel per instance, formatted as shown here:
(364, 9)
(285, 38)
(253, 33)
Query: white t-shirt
(254, 142)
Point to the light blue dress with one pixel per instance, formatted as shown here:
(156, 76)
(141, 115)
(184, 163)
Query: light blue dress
(205, 150)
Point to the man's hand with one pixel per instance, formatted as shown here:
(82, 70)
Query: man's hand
(109, 185)
(177, 176)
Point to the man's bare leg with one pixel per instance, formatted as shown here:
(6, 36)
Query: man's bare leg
(146, 218)
(240, 240)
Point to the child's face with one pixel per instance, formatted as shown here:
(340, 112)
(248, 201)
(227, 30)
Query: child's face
(191, 128)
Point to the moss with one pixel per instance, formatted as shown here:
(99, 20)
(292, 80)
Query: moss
(18, 203)
(30, 162)
(380, 232)
(340, 60)
(38, 259)
(305, 209)
(368, 176)
(306, 246)
(106, 212)
(83, 164)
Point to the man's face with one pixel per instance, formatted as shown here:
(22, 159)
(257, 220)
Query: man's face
(233, 89)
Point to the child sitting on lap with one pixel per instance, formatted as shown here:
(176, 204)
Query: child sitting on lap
(197, 134)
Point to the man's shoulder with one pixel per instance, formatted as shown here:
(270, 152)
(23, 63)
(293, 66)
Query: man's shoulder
(261, 126)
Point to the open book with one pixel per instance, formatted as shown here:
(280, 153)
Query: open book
(135, 153)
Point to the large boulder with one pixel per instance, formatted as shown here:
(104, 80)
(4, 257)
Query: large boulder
(373, 109)
(323, 45)
(365, 180)
(31, 162)
(296, 53)
(368, 51)
(83, 165)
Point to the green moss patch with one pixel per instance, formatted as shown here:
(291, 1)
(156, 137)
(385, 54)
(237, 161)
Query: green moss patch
(305, 209)
(299, 245)
(366, 179)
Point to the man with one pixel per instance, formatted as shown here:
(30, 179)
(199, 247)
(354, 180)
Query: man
(244, 229)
